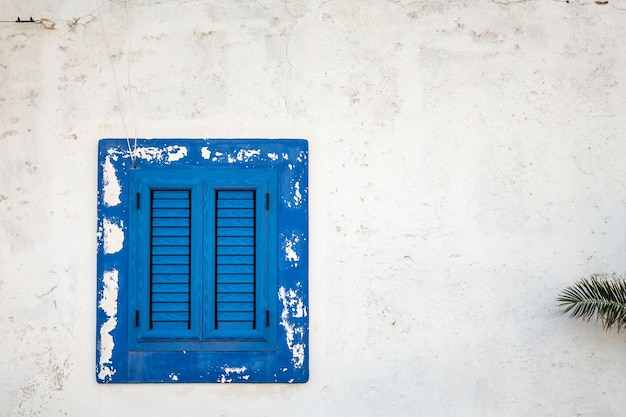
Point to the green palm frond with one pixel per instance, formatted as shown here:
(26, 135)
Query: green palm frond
(598, 296)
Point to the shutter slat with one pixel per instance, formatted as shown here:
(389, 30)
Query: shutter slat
(170, 222)
(170, 212)
(170, 241)
(170, 298)
(169, 325)
(170, 288)
(171, 278)
(235, 241)
(165, 235)
(235, 279)
(235, 231)
(225, 203)
(235, 297)
(235, 316)
(181, 317)
(170, 269)
(236, 194)
(235, 260)
(170, 203)
(235, 222)
(235, 267)
(175, 307)
(235, 325)
(170, 195)
(169, 259)
(235, 306)
(235, 250)
(170, 250)
(235, 288)
(235, 213)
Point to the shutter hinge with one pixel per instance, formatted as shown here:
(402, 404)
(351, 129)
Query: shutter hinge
(267, 318)
(136, 318)
(137, 200)
(267, 201)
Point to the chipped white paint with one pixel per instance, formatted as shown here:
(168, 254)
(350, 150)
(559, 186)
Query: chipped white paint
(164, 155)
(226, 376)
(108, 304)
(242, 155)
(297, 196)
(173, 377)
(295, 304)
(245, 155)
(293, 307)
(111, 185)
(289, 245)
(176, 153)
(108, 300)
(218, 156)
(113, 236)
(206, 152)
(273, 156)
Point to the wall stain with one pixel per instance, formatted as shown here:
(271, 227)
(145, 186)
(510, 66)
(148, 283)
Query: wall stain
(8, 133)
(32, 169)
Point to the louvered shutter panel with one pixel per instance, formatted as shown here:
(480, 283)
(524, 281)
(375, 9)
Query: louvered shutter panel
(170, 259)
(235, 298)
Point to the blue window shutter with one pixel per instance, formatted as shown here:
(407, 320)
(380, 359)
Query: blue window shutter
(166, 255)
(210, 280)
(241, 267)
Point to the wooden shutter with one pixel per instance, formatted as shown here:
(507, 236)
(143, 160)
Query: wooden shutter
(235, 233)
(170, 259)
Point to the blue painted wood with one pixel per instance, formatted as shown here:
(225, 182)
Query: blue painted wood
(235, 241)
(208, 312)
(160, 249)
(235, 250)
(236, 278)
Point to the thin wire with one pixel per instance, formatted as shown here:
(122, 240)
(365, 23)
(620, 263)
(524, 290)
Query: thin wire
(116, 81)
(46, 23)
(18, 20)
(133, 151)
(49, 24)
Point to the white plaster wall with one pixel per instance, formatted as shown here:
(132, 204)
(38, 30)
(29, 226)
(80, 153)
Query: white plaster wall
(466, 164)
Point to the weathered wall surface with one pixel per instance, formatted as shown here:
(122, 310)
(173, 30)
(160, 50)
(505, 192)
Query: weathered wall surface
(466, 163)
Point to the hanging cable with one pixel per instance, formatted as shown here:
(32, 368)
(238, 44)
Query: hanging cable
(133, 151)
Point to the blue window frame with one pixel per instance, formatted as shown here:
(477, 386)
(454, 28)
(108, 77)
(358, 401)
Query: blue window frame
(202, 261)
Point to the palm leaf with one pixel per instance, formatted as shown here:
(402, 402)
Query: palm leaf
(598, 296)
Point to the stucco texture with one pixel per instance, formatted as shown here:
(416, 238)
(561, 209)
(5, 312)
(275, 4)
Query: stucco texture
(466, 163)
